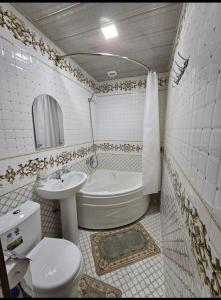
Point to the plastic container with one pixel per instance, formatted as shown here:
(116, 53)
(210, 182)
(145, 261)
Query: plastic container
(16, 292)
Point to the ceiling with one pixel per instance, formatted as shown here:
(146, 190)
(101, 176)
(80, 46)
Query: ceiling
(146, 33)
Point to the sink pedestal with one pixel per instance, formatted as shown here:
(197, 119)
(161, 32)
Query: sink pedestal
(64, 190)
(69, 219)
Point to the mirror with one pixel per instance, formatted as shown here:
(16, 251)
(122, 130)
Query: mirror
(47, 122)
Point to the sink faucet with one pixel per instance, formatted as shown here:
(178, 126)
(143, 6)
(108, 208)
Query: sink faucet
(61, 171)
(65, 169)
(58, 174)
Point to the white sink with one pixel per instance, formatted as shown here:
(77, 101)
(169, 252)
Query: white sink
(57, 189)
(64, 189)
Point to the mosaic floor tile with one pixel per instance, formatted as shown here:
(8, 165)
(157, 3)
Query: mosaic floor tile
(129, 278)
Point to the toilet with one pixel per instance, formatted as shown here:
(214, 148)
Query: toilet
(56, 264)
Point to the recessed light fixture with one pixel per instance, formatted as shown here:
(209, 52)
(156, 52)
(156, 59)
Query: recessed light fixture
(109, 31)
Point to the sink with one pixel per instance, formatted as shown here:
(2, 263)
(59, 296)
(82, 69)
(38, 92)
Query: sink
(64, 189)
(57, 189)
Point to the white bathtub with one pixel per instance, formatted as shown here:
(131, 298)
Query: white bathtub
(111, 199)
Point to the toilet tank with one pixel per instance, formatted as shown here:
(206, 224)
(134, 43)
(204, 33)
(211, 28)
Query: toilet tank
(20, 229)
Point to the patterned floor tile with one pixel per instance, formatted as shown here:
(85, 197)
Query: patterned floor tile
(139, 280)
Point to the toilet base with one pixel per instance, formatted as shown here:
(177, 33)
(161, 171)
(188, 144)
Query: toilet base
(69, 290)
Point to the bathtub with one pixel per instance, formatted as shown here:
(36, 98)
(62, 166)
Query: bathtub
(111, 199)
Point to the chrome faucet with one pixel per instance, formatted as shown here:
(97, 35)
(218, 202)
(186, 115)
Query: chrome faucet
(90, 160)
(65, 169)
(61, 171)
(58, 174)
(39, 180)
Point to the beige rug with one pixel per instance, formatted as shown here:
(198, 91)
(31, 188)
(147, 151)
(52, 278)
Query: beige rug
(118, 248)
(90, 287)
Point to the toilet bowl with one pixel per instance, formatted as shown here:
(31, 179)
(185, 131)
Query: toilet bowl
(56, 267)
(56, 264)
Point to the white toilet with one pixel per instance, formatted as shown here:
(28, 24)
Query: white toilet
(56, 264)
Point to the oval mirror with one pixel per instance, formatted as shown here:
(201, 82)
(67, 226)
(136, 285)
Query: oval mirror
(47, 122)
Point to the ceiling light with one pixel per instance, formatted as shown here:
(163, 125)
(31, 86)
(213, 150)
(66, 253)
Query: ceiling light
(109, 31)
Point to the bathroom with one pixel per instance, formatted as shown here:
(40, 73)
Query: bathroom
(110, 150)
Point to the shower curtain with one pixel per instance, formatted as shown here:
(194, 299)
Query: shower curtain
(151, 173)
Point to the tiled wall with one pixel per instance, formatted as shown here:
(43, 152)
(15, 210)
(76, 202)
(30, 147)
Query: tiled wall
(50, 210)
(119, 114)
(22, 79)
(193, 153)
(192, 169)
(178, 271)
(25, 74)
(120, 162)
(119, 117)
(28, 69)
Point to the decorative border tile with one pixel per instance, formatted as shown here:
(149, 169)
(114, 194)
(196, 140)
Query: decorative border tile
(33, 166)
(208, 266)
(119, 147)
(127, 85)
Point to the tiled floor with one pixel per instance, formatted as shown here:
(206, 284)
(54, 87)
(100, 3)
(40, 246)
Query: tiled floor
(141, 279)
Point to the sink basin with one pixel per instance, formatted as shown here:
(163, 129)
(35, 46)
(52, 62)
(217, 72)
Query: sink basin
(65, 189)
(57, 189)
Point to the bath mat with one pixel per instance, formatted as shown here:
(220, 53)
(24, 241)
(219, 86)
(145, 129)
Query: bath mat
(90, 287)
(118, 248)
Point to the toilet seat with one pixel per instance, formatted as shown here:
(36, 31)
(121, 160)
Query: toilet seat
(55, 262)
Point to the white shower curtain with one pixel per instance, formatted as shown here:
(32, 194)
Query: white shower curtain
(151, 172)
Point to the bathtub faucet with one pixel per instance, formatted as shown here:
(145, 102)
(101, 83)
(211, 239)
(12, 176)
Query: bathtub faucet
(90, 160)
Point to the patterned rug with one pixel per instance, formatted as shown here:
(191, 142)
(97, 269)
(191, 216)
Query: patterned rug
(90, 287)
(118, 248)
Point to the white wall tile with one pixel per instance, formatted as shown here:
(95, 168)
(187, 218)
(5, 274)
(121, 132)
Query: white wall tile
(120, 116)
(193, 116)
(16, 102)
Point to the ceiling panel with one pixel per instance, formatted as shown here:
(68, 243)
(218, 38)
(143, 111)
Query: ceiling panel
(35, 11)
(90, 16)
(146, 32)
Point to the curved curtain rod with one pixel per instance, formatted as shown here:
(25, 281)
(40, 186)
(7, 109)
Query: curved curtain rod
(105, 54)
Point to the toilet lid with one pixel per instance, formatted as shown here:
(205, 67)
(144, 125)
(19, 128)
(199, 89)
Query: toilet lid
(54, 263)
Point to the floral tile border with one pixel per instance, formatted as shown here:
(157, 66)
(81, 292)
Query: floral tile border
(119, 147)
(208, 266)
(33, 166)
(128, 84)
